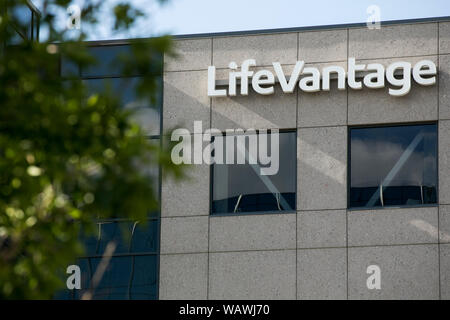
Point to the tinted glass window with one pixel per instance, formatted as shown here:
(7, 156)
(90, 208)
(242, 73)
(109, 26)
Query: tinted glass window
(126, 277)
(117, 274)
(110, 60)
(239, 188)
(129, 237)
(144, 238)
(393, 166)
(16, 38)
(144, 282)
(119, 232)
(145, 114)
(23, 16)
(107, 61)
(69, 69)
(132, 271)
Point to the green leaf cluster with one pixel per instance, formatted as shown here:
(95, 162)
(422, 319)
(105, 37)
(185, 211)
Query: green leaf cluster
(68, 158)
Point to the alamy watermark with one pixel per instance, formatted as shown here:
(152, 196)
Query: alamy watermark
(236, 146)
(374, 18)
(73, 21)
(374, 280)
(74, 280)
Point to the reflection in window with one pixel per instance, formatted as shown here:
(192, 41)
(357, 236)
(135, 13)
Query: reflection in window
(110, 61)
(145, 114)
(126, 277)
(131, 272)
(69, 69)
(129, 236)
(23, 16)
(393, 166)
(239, 188)
(25, 24)
(107, 61)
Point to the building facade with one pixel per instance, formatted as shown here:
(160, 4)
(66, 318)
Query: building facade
(320, 249)
(362, 190)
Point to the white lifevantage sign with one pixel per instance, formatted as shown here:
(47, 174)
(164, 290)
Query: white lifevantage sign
(309, 79)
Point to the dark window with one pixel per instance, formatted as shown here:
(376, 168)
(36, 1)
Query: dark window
(108, 60)
(145, 114)
(393, 166)
(130, 237)
(125, 277)
(240, 188)
(112, 61)
(16, 38)
(23, 16)
(132, 272)
(69, 69)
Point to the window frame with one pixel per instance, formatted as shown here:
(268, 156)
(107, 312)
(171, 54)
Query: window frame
(383, 125)
(211, 183)
(33, 26)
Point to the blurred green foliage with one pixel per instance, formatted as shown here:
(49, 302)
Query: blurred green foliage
(66, 158)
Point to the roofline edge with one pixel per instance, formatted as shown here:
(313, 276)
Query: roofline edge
(278, 30)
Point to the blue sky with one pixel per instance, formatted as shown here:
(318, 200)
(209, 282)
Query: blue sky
(196, 16)
(202, 16)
